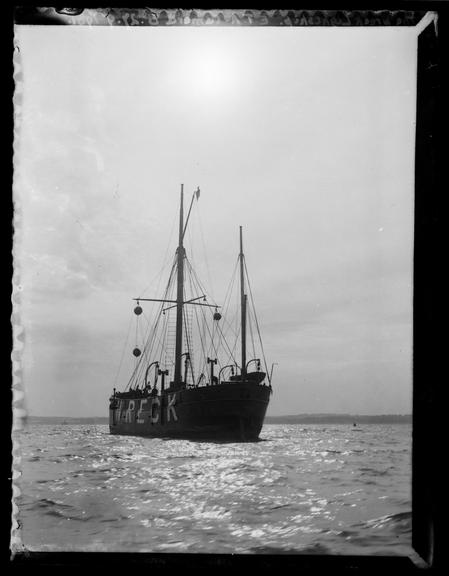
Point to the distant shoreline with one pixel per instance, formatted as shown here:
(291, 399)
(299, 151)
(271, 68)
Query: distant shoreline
(340, 419)
(289, 419)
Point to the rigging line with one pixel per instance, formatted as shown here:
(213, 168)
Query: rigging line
(164, 359)
(212, 351)
(227, 304)
(255, 317)
(197, 211)
(230, 324)
(195, 282)
(212, 337)
(205, 329)
(232, 355)
(149, 338)
(163, 318)
(146, 356)
(138, 369)
(224, 340)
(123, 351)
(226, 343)
(143, 348)
(206, 352)
(138, 362)
(194, 275)
(136, 365)
(221, 336)
(238, 326)
(190, 243)
(202, 333)
(231, 328)
(228, 296)
(193, 354)
(188, 341)
(158, 276)
(142, 331)
(198, 312)
(251, 330)
(158, 344)
(235, 343)
(150, 343)
(170, 279)
(148, 349)
(235, 330)
(169, 345)
(212, 346)
(193, 259)
(199, 283)
(147, 328)
(216, 330)
(165, 259)
(169, 287)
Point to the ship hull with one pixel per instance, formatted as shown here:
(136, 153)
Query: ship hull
(230, 411)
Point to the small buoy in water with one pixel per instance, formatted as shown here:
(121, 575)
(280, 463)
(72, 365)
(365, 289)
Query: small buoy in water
(138, 310)
(137, 352)
(217, 316)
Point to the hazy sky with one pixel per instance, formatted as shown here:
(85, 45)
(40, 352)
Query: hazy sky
(304, 136)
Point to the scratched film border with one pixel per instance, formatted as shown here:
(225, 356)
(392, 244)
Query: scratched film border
(146, 16)
(19, 412)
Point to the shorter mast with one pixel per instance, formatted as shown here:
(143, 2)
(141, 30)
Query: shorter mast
(243, 308)
(180, 292)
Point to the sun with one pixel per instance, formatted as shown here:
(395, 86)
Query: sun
(213, 75)
(208, 68)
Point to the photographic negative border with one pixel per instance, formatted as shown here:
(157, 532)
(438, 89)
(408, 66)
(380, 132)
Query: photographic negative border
(430, 18)
(145, 16)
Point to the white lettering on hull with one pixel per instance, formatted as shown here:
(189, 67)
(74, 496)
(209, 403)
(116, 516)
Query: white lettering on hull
(171, 408)
(120, 408)
(154, 414)
(140, 420)
(129, 414)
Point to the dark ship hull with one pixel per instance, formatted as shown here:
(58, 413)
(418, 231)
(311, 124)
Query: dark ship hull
(229, 411)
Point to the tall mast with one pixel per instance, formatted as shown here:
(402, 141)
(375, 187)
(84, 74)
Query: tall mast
(242, 306)
(180, 292)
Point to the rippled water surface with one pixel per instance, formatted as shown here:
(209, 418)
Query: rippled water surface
(302, 489)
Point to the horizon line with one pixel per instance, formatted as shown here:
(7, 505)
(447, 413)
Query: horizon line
(267, 416)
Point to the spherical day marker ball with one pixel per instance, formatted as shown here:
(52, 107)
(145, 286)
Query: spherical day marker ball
(137, 352)
(138, 310)
(217, 316)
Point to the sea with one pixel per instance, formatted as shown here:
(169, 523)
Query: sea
(301, 489)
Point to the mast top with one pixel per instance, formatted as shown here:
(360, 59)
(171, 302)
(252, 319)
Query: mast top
(181, 217)
(179, 292)
(242, 307)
